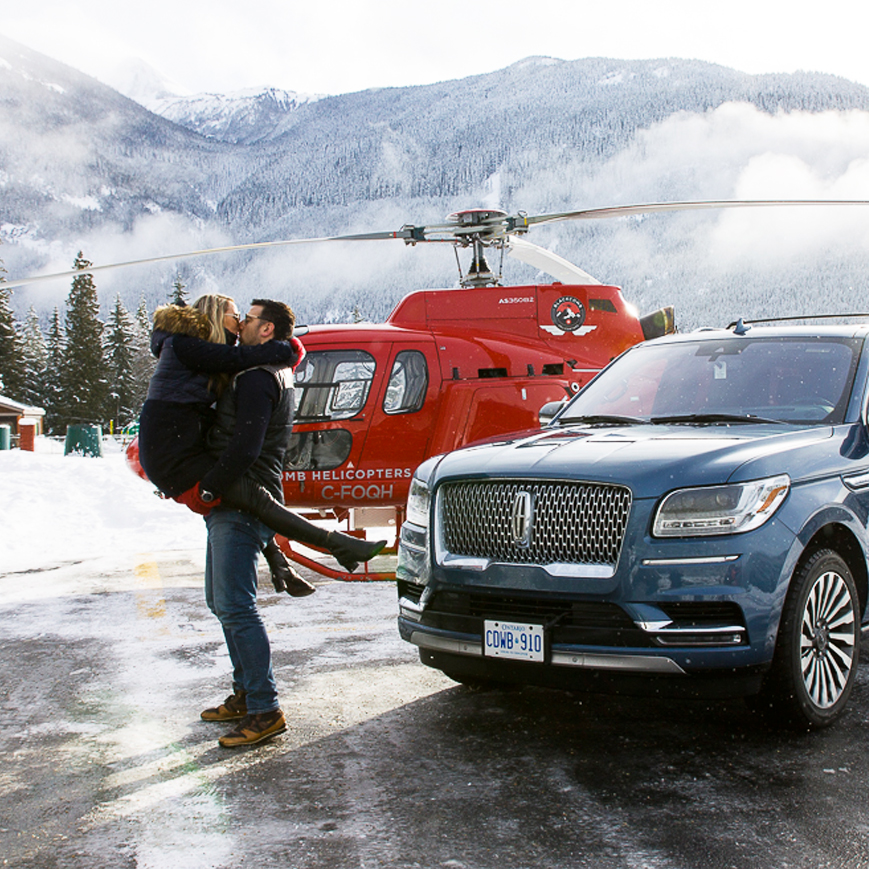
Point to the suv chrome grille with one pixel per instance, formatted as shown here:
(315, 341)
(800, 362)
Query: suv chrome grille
(571, 523)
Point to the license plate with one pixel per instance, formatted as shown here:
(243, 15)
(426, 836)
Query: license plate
(517, 640)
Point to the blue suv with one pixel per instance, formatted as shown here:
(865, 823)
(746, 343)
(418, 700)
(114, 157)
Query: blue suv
(693, 521)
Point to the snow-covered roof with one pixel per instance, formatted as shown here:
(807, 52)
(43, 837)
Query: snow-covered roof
(7, 405)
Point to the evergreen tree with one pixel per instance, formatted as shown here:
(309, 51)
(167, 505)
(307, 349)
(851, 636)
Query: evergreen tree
(11, 363)
(143, 360)
(179, 293)
(85, 380)
(35, 358)
(143, 319)
(120, 343)
(53, 395)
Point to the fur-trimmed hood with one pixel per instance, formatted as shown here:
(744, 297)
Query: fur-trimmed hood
(172, 320)
(181, 320)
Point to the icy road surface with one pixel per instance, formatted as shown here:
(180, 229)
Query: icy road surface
(108, 654)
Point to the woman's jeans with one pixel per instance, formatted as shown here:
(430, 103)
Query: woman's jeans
(235, 541)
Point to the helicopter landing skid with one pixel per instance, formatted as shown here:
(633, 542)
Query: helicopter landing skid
(332, 573)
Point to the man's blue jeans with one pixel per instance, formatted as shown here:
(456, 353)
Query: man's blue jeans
(235, 541)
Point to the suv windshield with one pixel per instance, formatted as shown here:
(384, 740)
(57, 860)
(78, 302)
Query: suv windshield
(790, 380)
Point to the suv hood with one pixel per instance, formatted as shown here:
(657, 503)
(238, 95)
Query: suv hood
(652, 459)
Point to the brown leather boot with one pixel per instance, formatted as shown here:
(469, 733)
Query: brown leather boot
(255, 728)
(234, 707)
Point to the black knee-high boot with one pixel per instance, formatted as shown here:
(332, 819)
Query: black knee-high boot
(254, 498)
(284, 576)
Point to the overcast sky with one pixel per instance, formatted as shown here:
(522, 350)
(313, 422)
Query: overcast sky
(339, 46)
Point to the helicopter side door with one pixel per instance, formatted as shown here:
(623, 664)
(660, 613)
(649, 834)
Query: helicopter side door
(363, 422)
(333, 391)
(401, 420)
(473, 411)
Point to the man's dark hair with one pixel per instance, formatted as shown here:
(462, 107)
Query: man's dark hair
(280, 314)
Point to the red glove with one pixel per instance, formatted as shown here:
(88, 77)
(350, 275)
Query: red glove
(132, 454)
(192, 499)
(299, 347)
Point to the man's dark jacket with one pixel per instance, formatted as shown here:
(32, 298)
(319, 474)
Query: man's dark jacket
(252, 426)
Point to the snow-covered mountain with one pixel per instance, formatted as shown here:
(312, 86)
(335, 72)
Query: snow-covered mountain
(78, 155)
(244, 116)
(240, 117)
(84, 168)
(139, 81)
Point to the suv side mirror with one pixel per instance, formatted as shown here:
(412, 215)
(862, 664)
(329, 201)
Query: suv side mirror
(549, 410)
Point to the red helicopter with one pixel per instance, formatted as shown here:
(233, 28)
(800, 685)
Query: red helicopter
(448, 366)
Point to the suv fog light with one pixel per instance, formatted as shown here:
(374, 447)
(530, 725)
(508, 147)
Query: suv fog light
(736, 637)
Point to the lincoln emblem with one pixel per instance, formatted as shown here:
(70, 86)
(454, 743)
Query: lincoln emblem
(522, 519)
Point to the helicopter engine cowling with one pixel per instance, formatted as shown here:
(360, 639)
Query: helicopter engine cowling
(658, 323)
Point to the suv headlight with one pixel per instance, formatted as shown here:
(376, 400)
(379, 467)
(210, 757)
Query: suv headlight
(418, 503)
(730, 509)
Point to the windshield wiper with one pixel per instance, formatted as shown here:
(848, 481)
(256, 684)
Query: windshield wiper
(711, 418)
(602, 419)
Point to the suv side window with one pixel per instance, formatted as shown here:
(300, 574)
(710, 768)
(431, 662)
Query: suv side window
(408, 382)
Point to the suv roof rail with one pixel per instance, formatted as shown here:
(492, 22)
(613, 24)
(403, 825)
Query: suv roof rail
(791, 319)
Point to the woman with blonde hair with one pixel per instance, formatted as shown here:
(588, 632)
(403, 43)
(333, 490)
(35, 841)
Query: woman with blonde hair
(197, 355)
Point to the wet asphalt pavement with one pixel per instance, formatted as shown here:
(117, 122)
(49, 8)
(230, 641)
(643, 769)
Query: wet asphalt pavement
(105, 665)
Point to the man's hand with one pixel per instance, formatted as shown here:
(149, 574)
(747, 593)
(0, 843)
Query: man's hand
(197, 501)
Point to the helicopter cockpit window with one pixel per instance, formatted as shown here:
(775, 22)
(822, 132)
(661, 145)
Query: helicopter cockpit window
(408, 381)
(332, 384)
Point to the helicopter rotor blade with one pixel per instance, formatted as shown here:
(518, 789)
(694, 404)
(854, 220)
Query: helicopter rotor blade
(497, 228)
(501, 226)
(550, 263)
(373, 236)
(658, 207)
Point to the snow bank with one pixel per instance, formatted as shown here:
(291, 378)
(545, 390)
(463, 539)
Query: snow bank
(60, 508)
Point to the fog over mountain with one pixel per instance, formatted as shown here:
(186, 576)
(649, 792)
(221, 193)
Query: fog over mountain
(84, 168)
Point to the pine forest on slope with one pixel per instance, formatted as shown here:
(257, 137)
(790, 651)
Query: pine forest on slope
(84, 168)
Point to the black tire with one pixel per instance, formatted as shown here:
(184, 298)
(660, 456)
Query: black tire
(817, 648)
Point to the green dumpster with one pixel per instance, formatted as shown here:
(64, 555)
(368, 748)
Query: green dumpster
(5, 437)
(83, 440)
